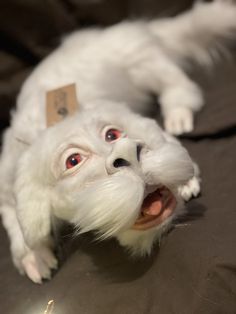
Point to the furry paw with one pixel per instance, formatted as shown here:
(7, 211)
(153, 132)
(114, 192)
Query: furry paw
(179, 121)
(38, 263)
(191, 189)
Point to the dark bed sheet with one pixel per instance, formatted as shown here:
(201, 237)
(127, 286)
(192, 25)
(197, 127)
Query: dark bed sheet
(194, 270)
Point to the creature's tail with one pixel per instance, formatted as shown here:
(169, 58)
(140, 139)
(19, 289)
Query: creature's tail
(200, 33)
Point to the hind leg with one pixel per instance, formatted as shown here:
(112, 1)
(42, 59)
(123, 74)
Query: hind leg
(179, 96)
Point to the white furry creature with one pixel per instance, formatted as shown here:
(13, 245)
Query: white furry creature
(107, 168)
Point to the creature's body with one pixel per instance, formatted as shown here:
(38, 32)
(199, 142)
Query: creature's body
(107, 168)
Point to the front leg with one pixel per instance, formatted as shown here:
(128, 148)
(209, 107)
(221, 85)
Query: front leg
(39, 262)
(25, 214)
(36, 262)
(33, 213)
(193, 187)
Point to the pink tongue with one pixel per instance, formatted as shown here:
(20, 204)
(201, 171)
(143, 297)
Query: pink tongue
(153, 204)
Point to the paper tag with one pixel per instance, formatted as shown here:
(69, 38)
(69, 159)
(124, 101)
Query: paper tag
(61, 102)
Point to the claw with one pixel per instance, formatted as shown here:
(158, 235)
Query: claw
(191, 189)
(38, 264)
(179, 121)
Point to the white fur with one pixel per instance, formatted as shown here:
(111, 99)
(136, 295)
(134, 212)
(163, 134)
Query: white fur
(120, 64)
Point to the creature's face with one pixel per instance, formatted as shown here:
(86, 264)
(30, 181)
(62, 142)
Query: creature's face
(111, 171)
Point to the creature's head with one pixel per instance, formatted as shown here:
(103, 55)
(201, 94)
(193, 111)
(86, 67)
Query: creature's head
(107, 170)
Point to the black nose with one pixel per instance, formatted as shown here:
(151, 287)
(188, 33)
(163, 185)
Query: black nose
(120, 162)
(125, 154)
(139, 148)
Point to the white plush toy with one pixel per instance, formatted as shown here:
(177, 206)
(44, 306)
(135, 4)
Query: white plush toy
(107, 168)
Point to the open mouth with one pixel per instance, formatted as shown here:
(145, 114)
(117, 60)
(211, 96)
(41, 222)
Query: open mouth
(156, 208)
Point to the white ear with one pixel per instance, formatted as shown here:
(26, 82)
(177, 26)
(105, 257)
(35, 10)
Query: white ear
(32, 199)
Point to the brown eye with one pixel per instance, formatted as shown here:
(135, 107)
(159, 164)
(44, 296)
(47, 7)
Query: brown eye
(73, 161)
(112, 135)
